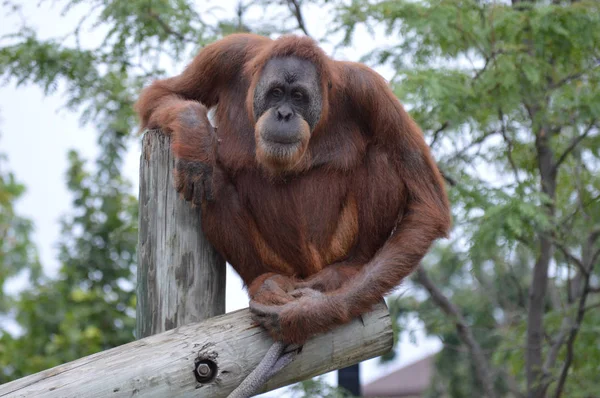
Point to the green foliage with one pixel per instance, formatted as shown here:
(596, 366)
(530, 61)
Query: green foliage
(489, 82)
(495, 88)
(17, 252)
(91, 306)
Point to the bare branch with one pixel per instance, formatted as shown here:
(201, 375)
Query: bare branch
(565, 251)
(482, 368)
(451, 181)
(567, 326)
(436, 133)
(570, 78)
(568, 218)
(484, 68)
(555, 349)
(475, 142)
(595, 256)
(574, 144)
(566, 80)
(588, 262)
(594, 235)
(297, 11)
(165, 26)
(509, 143)
(521, 300)
(591, 256)
(572, 336)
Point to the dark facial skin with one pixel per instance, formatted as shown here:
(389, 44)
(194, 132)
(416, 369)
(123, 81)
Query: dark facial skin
(290, 85)
(287, 107)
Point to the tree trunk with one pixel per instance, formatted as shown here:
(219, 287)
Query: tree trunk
(537, 290)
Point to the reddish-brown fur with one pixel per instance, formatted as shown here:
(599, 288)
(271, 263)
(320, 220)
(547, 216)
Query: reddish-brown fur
(323, 242)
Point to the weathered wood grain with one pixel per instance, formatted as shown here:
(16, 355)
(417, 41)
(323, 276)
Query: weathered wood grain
(181, 278)
(163, 365)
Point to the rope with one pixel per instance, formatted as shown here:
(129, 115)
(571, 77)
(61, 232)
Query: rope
(277, 357)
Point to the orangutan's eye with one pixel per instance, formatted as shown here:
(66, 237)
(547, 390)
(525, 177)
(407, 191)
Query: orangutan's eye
(277, 92)
(297, 96)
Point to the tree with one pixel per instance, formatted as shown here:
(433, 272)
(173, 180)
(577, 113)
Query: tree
(91, 306)
(508, 97)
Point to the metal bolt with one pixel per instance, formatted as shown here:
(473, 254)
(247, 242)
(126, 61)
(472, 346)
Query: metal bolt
(203, 370)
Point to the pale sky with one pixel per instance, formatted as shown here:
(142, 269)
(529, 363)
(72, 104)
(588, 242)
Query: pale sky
(36, 133)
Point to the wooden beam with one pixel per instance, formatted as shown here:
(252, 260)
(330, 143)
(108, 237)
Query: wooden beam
(181, 278)
(164, 365)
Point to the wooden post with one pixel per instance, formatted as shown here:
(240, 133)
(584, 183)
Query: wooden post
(226, 348)
(181, 278)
